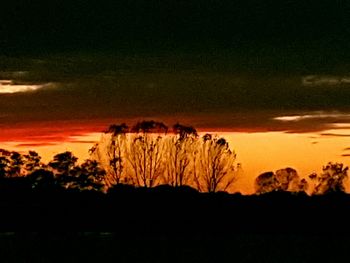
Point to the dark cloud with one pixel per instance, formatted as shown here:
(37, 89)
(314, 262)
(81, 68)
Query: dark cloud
(208, 91)
(46, 26)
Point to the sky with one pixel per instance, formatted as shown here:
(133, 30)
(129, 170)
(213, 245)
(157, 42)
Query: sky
(68, 68)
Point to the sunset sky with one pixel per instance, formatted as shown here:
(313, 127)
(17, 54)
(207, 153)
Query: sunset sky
(70, 68)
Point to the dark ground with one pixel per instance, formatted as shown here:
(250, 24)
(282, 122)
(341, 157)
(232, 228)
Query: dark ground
(166, 224)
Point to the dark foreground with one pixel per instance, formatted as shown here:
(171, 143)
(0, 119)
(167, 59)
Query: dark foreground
(171, 225)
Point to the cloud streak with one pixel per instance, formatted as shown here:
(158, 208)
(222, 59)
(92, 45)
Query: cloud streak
(325, 80)
(316, 115)
(9, 87)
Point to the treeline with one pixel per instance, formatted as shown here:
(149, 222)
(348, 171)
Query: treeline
(145, 155)
(150, 154)
(62, 172)
(331, 179)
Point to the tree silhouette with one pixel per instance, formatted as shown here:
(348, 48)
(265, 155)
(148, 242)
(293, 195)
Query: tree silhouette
(303, 185)
(42, 179)
(286, 179)
(184, 131)
(62, 165)
(11, 164)
(88, 176)
(146, 156)
(32, 162)
(216, 164)
(15, 165)
(4, 166)
(144, 153)
(150, 127)
(265, 183)
(331, 179)
(179, 154)
(113, 152)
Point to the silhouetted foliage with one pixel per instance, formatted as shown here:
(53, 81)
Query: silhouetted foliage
(265, 183)
(303, 186)
(4, 166)
(184, 131)
(63, 162)
(63, 165)
(43, 180)
(88, 176)
(150, 127)
(14, 164)
(331, 179)
(118, 129)
(286, 179)
(146, 156)
(32, 162)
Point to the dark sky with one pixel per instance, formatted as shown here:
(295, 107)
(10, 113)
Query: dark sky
(175, 58)
(149, 25)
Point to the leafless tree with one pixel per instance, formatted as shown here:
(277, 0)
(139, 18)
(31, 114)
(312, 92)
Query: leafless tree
(112, 153)
(146, 156)
(215, 164)
(179, 151)
(145, 153)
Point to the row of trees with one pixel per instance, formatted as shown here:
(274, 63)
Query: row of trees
(147, 155)
(331, 179)
(61, 172)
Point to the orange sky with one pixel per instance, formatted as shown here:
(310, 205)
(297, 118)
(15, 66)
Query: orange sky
(257, 152)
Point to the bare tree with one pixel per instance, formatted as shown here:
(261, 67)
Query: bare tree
(146, 156)
(111, 152)
(215, 170)
(179, 151)
(145, 152)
